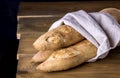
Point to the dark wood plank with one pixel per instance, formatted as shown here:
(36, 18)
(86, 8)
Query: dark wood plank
(25, 65)
(58, 8)
(37, 24)
(38, 16)
(26, 43)
(69, 75)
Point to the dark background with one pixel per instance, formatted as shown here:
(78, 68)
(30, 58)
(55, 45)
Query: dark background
(62, 0)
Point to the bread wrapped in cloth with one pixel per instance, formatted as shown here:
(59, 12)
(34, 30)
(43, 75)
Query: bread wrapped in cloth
(60, 37)
(69, 57)
(66, 57)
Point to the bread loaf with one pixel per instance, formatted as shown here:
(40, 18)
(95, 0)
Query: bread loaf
(69, 57)
(41, 56)
(60, 37)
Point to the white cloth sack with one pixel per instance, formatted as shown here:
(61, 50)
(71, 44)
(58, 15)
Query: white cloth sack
(99, 28)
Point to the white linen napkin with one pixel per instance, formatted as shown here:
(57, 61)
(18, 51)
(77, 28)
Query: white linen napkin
(99, 28)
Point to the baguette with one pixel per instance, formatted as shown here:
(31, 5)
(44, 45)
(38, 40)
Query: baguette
(41, 56)
(55, 39)
(60, 37)
(69, 57)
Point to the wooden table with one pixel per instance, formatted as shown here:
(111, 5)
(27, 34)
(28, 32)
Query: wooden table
(35, 19)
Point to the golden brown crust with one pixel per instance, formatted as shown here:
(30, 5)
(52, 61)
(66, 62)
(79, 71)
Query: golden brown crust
(62, 36)
(41, 56)
(69, 57)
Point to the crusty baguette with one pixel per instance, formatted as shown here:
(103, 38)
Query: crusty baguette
(41, 56)
(62, 36)
(69, 57)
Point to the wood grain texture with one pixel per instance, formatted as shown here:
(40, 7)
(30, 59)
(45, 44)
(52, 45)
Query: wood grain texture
(37, 24)
(38, 16)
(58, 8)
(26, 42)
